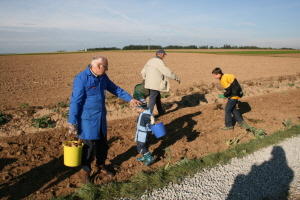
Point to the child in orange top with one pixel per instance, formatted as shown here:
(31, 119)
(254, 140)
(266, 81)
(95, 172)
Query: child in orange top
(233, 92)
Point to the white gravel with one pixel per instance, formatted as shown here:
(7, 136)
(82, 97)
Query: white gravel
(265, 174)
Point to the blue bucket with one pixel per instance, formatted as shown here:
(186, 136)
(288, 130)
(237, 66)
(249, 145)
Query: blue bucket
(158, 130)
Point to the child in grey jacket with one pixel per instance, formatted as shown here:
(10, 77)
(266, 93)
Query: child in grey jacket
(144, 122)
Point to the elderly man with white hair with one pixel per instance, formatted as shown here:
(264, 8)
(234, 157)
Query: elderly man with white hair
(87, 115)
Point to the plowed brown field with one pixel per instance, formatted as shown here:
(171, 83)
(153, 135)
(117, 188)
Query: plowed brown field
(32, 158)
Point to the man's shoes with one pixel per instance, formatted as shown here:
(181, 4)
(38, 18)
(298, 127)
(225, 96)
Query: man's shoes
(226, 128)
(85, 177)
(104, 173)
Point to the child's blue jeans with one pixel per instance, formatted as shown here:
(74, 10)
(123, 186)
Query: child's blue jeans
(230, 109)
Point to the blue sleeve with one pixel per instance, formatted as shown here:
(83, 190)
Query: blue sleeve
(76, 102)
(116, 90)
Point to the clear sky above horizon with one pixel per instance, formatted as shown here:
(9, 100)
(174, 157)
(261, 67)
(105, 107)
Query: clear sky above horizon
(70, 25)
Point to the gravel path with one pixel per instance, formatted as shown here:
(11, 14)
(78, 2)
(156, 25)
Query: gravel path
(265, 174)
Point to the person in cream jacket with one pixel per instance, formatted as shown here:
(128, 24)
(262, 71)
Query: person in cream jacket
(156, 74)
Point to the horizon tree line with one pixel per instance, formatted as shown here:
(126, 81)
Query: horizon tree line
(152, 47)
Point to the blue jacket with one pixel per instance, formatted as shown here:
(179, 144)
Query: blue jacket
(87, 105)
(143, 126)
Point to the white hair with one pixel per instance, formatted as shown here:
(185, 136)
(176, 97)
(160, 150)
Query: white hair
(97, 59)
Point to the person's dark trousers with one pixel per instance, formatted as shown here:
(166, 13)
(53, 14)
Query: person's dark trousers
(101, 148)
(230, 109)
(142, 147)
(154, 98)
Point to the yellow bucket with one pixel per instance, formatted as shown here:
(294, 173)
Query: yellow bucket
(72, 155)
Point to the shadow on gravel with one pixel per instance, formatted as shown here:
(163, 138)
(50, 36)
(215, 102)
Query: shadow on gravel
(270, 180)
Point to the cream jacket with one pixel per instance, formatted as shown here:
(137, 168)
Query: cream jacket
(156, 74)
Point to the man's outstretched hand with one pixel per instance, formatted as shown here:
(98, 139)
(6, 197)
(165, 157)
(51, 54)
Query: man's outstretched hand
(135, 102)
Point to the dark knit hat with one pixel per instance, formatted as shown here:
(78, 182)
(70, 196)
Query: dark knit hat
(161, 51)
